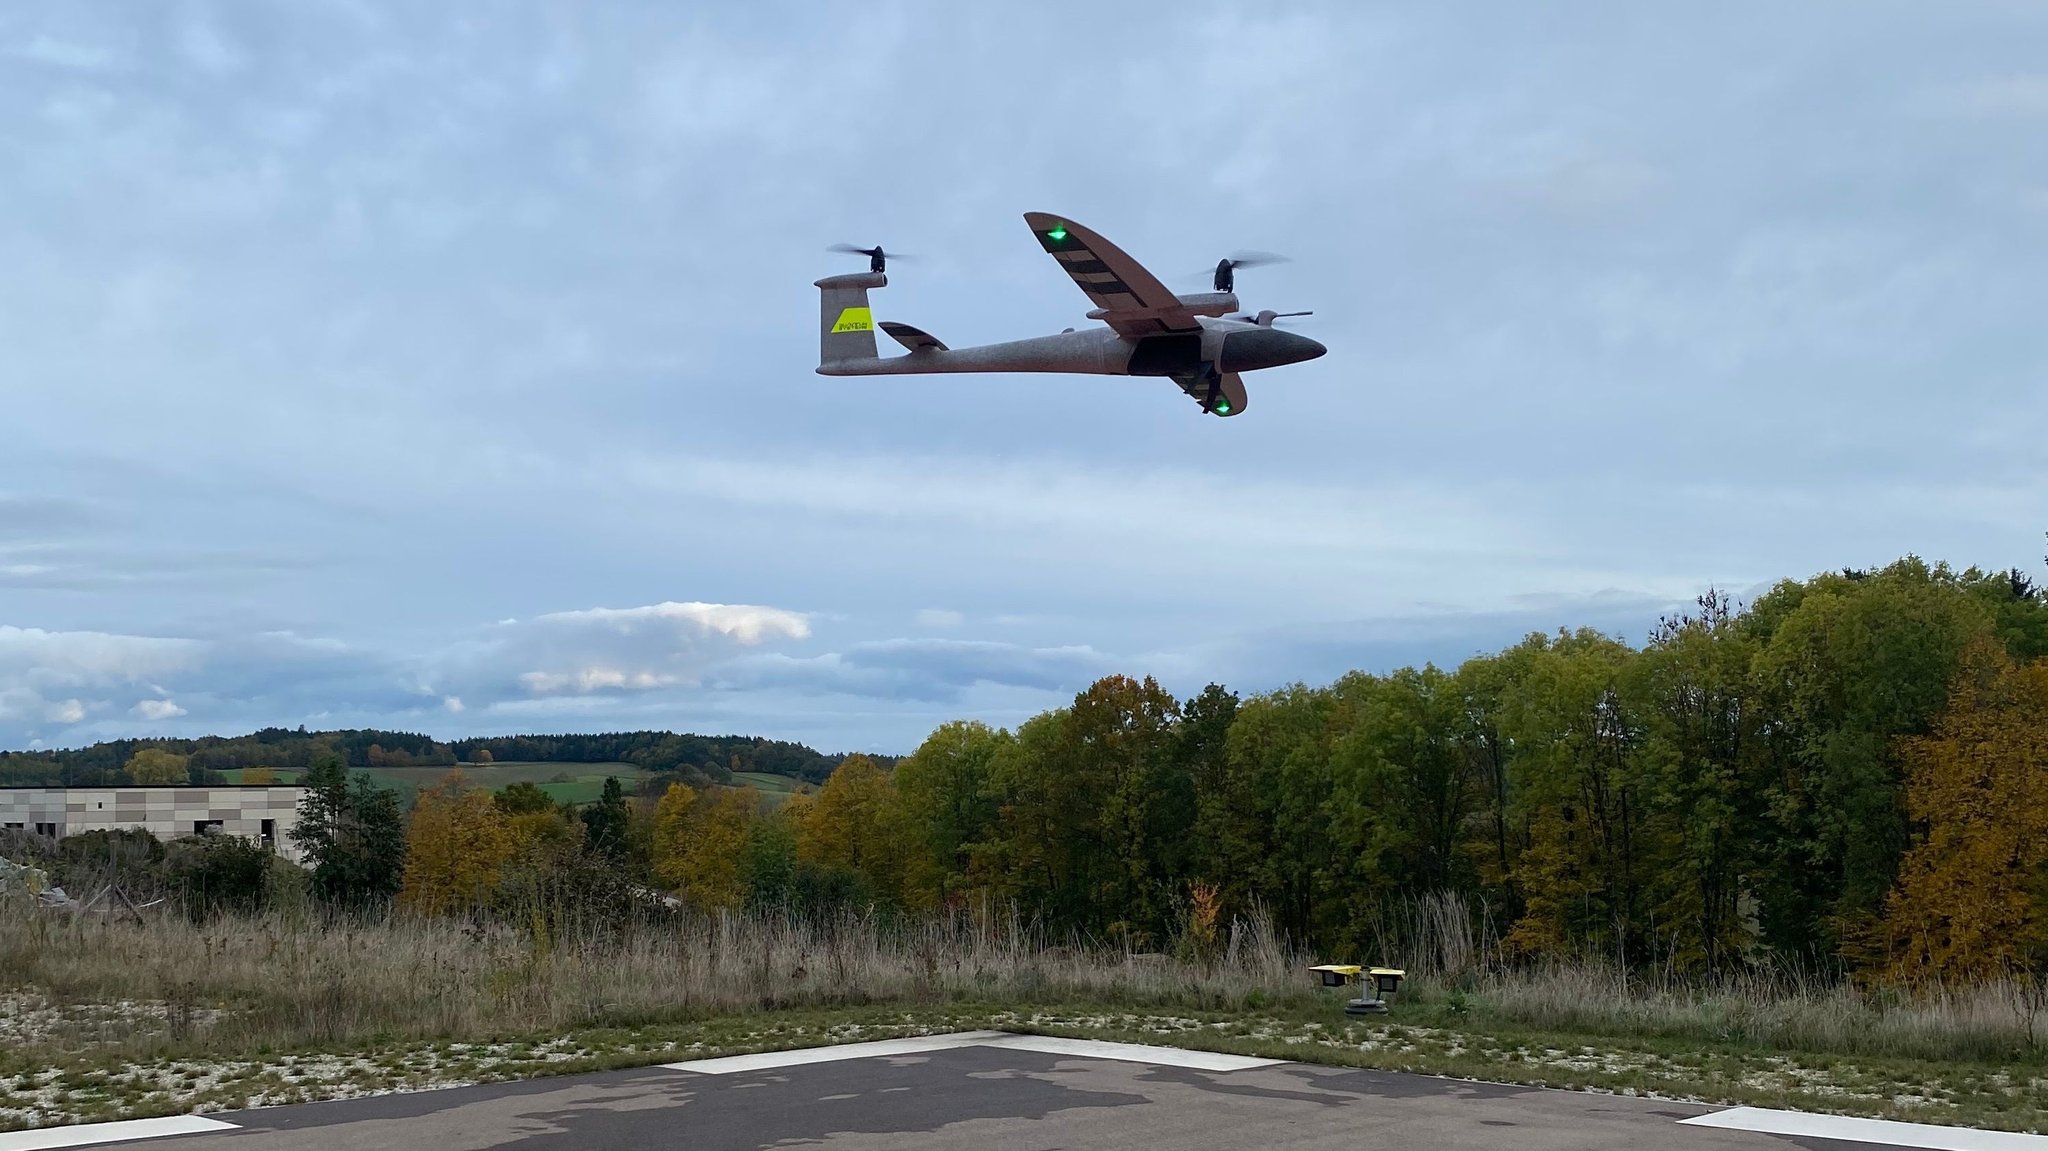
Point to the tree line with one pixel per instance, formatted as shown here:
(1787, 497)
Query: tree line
(1852, 771)
(699, 759)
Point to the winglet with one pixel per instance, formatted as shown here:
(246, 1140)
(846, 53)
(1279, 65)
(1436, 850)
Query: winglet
(914, 339)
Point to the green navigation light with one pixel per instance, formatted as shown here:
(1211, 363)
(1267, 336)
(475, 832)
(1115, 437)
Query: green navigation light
(1059, 235)
(1222, 407)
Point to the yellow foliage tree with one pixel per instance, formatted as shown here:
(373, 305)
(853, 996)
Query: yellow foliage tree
(700, 843)
(155, 767)
(259, 776)
(672, 830)
(455, 847)
(1970, 901)
(856, 822)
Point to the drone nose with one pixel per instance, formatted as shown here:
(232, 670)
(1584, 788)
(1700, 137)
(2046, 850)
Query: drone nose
(1266, 348)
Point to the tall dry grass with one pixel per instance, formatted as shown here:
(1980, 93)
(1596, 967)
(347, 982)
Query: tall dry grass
(297, 981)
(1455, 955)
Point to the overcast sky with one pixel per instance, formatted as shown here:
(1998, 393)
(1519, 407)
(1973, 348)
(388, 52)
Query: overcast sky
(369, 364)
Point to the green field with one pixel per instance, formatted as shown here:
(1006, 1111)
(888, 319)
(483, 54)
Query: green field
(771, 784)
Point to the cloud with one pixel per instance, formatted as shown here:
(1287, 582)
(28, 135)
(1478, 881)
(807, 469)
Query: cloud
(157, 709)
(745, 623)
(939, 617)
(604, 650)
(922, 669)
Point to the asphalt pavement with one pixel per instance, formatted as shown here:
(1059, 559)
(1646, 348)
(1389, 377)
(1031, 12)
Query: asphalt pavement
(995, 1093)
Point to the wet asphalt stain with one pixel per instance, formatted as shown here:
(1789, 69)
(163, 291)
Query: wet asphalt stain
(638, 1081)
(829, 1099)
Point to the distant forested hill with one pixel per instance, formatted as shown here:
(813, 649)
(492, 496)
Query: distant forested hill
(712, 757)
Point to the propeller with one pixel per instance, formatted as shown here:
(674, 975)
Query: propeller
(1266, 317)
(878, 260)
(1225, 268)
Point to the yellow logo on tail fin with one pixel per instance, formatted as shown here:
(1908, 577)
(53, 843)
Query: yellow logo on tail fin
(854, 320)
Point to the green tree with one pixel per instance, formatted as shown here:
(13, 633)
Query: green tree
(1121, 739)
(352, 833)
(1585, 794)
(1847, 664)
(1704, 747)
(522, 798)
(944, 791)
(1037, 855)
(1271, 814)
(217, 874)
(1404, 783)
(605, 823)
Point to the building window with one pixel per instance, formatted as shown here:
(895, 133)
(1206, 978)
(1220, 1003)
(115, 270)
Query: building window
(14, 827)
(270, 831)
(49, 829)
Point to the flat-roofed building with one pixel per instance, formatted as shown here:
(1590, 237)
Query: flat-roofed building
(267, 813)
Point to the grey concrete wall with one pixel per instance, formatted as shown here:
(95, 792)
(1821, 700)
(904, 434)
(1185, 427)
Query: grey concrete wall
(165, 812)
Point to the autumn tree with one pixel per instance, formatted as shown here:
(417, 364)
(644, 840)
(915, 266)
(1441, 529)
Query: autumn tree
(155, 767)
(1972, 896)
(701, 841)
(457, 843)
(855, 824)
(259, 776)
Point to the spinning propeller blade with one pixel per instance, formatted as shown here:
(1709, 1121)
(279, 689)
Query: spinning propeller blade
(1223, 276)
(878, 260)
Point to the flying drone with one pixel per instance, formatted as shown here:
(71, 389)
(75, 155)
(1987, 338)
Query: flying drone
(1198, 341)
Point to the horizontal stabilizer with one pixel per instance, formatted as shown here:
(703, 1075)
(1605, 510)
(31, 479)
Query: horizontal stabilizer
(915, 339)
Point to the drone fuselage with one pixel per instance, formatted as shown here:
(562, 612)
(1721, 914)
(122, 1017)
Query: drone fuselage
(1222, 345)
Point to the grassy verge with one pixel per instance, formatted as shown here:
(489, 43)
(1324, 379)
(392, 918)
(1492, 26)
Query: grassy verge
(100, 1020)
(83, 1088)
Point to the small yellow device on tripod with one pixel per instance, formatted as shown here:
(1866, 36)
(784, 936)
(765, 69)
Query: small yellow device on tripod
(1385, 981)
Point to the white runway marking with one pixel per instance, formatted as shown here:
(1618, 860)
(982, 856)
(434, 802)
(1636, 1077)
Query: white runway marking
(1130, 1052)
(1045, 1044)
(1889, 1131)
(732, 1064)
(87, 1134)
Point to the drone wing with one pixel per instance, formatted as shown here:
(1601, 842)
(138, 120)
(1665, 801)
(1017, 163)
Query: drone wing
(1219, 394)
(1127, 297)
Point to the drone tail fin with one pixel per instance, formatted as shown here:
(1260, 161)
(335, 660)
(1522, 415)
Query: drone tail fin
(846, 327)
